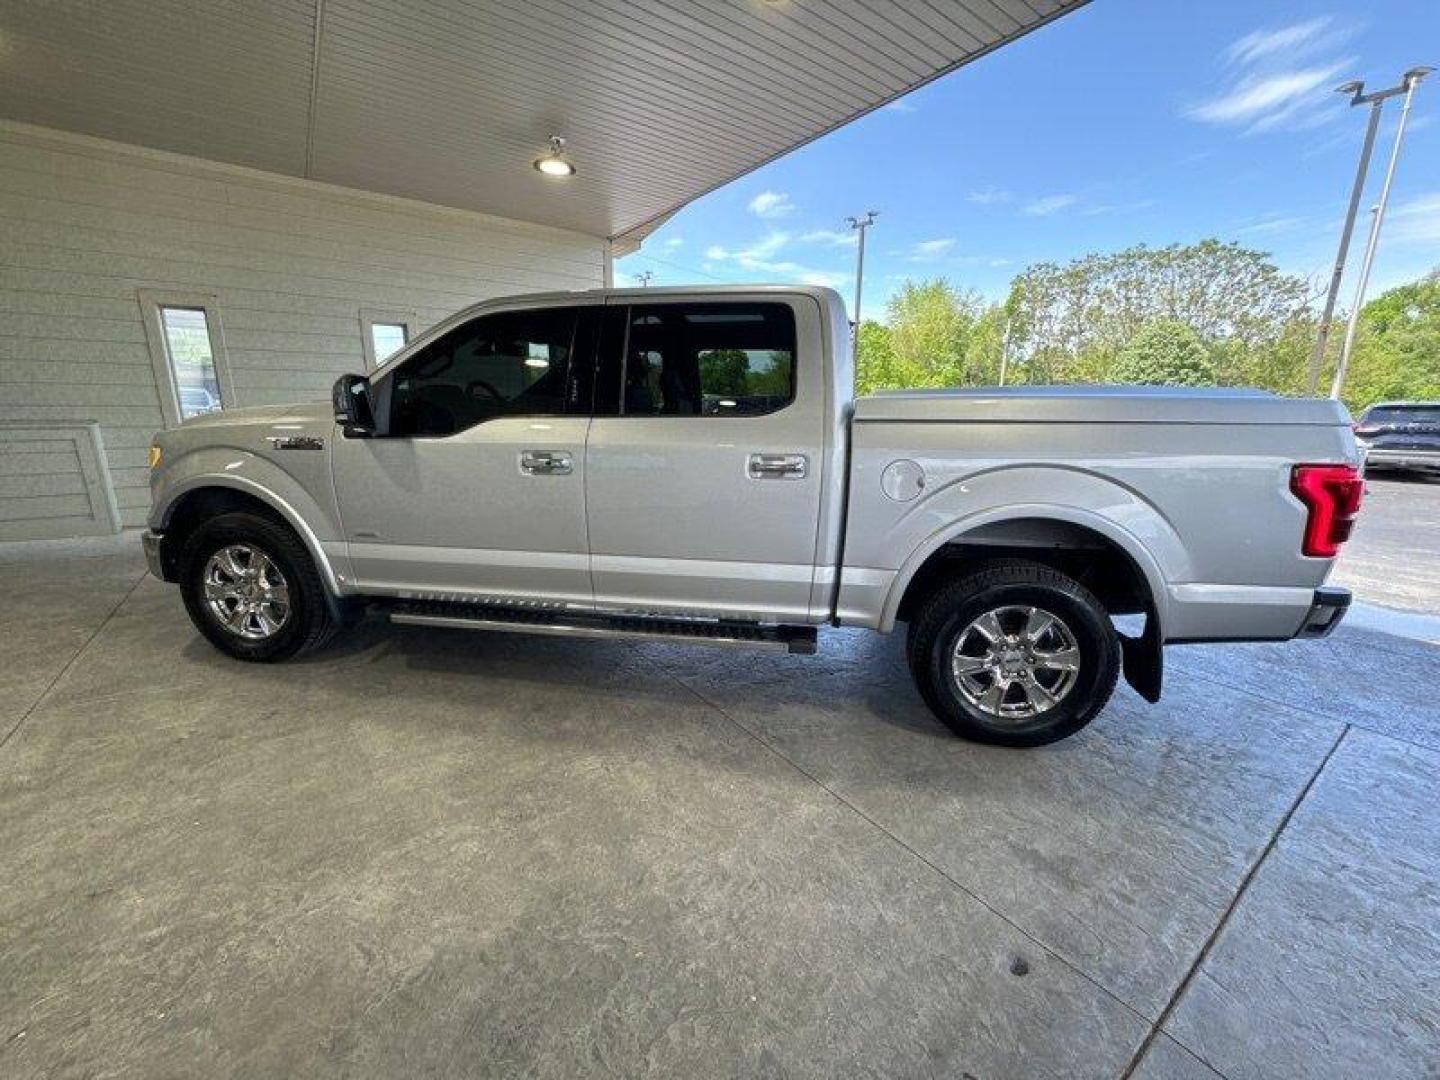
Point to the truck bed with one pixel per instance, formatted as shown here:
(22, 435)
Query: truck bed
(1099, 405)
(1193, 485)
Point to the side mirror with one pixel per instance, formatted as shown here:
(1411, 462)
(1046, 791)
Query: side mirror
(353, 409)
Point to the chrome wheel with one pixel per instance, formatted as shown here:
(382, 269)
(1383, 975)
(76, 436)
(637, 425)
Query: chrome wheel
(245, 592)
(1014, 663)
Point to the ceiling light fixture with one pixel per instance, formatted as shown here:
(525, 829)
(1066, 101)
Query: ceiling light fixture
(554, 163)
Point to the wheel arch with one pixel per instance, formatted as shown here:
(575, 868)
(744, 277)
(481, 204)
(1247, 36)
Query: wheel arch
(1094, 550)
(200, 498)
(1048, 534)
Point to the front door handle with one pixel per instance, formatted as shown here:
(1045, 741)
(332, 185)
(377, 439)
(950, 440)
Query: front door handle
(546, 463)
(777, 466)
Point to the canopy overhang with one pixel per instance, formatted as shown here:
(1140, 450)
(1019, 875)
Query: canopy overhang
(451, 101)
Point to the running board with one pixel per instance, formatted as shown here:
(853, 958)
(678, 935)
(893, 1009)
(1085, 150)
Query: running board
(735, 635)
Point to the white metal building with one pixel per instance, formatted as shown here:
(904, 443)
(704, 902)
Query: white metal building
(213, 204)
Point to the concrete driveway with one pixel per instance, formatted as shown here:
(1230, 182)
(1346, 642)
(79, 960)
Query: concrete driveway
(455, 854)
(1393, 559)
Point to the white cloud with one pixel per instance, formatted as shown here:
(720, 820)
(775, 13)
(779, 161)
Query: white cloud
(761, 249)
(1049, 204)
(900, 105)
(1416, 221)
(930, 250)
(1272, 223)
(771, 204)
(1270, 101)
(1287, 39)
(1346, 139)
(831, 237)
(1279, 77)
(759, 258)
(1117, 208)
(828, 278)
(672, 243)
(989, 197)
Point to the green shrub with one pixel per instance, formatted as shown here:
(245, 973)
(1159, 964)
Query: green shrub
(1165, 353)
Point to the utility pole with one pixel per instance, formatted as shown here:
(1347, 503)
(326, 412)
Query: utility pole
(1376, 101)
(1407, 85)
(644, 277)
(859, 224)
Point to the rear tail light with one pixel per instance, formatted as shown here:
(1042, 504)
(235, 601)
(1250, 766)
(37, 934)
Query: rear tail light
(1331, 494)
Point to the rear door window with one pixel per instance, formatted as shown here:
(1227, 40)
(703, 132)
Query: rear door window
(704, 359)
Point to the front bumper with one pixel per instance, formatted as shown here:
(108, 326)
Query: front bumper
(1325, 613)
(150, 541)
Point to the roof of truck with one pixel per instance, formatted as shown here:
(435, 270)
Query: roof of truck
(823, 293)
(825, 296)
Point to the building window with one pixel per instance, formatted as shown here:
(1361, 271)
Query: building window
(387, 338)
(192, 361)
(188, 353)
(383, 334)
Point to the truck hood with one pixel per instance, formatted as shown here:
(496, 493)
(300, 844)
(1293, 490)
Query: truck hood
(310, 412)
(1099, 405)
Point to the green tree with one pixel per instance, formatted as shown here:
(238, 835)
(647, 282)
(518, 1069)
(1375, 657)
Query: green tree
(982, 348)
(1073, 320)
(875, 367)
(931, 323)
(1397, 347)
(723, 371)
(1165, 353)
(1210, 313)
(774, 376)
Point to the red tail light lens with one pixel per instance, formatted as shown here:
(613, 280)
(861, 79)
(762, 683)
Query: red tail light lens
(1331, 494)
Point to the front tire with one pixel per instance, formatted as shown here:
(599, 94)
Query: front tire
(1015, 654)
(252, 589)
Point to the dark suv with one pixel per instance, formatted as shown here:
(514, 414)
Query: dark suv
(1401, 435)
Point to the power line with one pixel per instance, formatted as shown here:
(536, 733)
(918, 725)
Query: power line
(675, 265)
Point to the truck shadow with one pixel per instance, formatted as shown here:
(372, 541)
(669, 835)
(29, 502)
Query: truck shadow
(858, 673)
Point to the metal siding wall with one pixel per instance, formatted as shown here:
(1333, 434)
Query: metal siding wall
(84, 227)
(53, 481)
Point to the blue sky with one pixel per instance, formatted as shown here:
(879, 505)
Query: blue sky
(1129, 121)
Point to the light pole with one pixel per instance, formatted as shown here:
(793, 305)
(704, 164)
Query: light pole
(859, 224)
(1408, 82)
(1317, 358)
(1005, 350)
(1376, 101)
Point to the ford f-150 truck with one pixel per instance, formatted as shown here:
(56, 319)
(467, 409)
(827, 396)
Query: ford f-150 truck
(689, 464)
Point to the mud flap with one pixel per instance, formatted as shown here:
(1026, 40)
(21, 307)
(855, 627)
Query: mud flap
(1142, 659)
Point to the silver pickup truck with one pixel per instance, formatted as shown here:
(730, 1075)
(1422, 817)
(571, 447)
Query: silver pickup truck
(690, 465)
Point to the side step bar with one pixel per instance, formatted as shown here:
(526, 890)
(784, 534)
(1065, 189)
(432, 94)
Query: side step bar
(735, 635)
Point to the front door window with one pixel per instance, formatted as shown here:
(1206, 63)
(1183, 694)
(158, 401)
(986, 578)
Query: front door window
(514, 363)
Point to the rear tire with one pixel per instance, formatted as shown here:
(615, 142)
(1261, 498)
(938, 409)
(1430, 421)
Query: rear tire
(1014, 654)
(252, 589)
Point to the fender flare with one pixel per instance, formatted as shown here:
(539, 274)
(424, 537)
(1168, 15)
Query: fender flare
(175, 493)
(956, 530)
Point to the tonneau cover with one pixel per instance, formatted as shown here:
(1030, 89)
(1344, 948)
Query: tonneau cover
(1098, 405)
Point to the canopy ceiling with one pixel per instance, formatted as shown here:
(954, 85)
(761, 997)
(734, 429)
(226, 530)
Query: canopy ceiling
(450, 101)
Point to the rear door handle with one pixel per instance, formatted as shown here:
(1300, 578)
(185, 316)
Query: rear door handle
(546, 463)
(777, 466)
